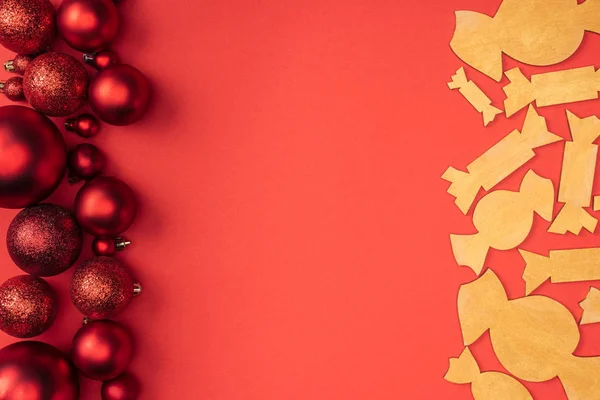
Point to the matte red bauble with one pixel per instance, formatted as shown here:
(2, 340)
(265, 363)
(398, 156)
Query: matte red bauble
(44, 240)
(55, 84)
(27, 306)
(119, 94)
(12, 88)
(105, 206)
(88, 25)
(101, 60)
(85, 161)
(102, 349)
(18, 64)
(108, 247)
(26, 26)
(32, 157)
(123, 387)
(85, 125)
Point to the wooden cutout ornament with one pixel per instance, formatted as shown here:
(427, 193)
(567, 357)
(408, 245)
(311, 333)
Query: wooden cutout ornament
(486, 385)
(591, 307)
(597, 203)
(577, 177)
(535, 32)
(497, 163)
(503, 220)
(474, 95)
(533, 337)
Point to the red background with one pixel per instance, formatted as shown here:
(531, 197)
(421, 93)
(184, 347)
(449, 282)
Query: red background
(293, 234)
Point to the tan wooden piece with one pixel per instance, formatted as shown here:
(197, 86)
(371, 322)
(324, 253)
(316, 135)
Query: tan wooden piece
(597, 203)
(474, 95)
(591, 307)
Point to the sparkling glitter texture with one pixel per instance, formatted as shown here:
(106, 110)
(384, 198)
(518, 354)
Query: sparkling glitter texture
(13, 88)
(19, 63)
(44, 240)
(27, 306)
(26, 26)
(123, 387)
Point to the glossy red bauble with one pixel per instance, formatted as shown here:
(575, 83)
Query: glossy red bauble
(85, 125)
(120, 94)
(101, 60)
(102, 349)
(123, 387)
(32, 157)
(85, 161)
(12, 88)
(88, 25)
(108, 247)
(26, 26)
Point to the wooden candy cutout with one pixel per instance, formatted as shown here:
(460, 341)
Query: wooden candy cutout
(533, 337)
(503, 220)
(497, 163)
(535, 32)
(591, 307)
(597, 203)
(486, 385)
(475, 96)
(577, 177)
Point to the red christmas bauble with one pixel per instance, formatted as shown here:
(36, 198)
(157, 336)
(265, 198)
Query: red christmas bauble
(123, 387)
(27, 306)
(26, 26)
(101, 60)
(44, 240)
(55, 84)
(102, 349)
(85, 125)
(32, 157)
(108, 247)
(101, 287)
(18, 64)
(13, 88)
(88, 25)
(85, 161)
(120, 94)
(105, 206)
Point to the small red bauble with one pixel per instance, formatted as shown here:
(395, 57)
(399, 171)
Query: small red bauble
(85, 125)
(13, 88)
(27, 306)
(32, 157)
(123, 387)
(120, 94)
(85, 162)
(44, 240)
(105, 206)
(26, 26)
(88, 25)
(19, 63)
(36, 371)
(108, 247)
(101, 60)
(55, 84)
(102, 349)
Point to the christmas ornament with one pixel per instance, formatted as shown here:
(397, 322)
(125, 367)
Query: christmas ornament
(32, 157)
(13, 88)
(36, 371)
(101, 287)
(105, 207)
(88, 25)
(26, 26)
(44, 240)
(18, 64)
(109, 247)
(123, 387)
(119, 94)
(55, 84)
(85, 162)
(85, 125)
(101, 60)
(102, 349)
(27, 306)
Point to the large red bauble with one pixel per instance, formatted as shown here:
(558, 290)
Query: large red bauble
(36, 371)
(120, 94)
(26, 26)
(102, 349)
(44, 240)
(123, 387)
(55, 84)
(32, 157)
(88, 25)
(105, 206)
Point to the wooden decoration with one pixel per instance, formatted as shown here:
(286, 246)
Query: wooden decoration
(503, 220)
(535, 32)
(577, 177)
(533, 337)
(475, 96)
(597, 203)
(591, 307)
(486, 385)
(551, 88)
(505, 157)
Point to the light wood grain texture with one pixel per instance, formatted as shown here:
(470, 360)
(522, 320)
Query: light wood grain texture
(535, 32)
(591, 307)
(497, 163)
(597, 203)
(474, 95)
(503, 220)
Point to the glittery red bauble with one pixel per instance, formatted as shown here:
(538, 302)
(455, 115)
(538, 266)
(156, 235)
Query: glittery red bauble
(88, 25)
(85, 125)
(27, 306)
(101, 60)
(105, 206)
(55, 84)
(13, 88)
(32, 157)
(101, 287)
(123, 387)
(85, 161)
(26, 26)
(102, 349)
(119, 94)
(44, 240)
(18, 64)
(36, 371)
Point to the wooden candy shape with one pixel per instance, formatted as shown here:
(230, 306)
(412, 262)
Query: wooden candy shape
(535, 32)
(591, 307)
(474, 95)
(503, 220)
(497, 163)
(597, 203)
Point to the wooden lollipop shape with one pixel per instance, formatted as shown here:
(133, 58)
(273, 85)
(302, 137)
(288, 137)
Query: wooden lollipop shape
(503, 220)
(535, 32)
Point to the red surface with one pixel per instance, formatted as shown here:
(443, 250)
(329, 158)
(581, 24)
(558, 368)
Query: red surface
(293, 232)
